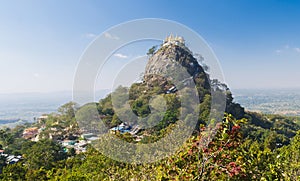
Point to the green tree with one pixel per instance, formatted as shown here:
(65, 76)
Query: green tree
(37, 174)
(44, 153)
(289, 156)
(2, 162)
(152, 50)
(68, 110)
(6, 137)
(14, 172)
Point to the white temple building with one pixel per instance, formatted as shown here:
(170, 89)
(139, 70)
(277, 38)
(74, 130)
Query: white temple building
(174, 40)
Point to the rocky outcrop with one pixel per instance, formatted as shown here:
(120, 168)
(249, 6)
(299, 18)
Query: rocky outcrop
(162, 68)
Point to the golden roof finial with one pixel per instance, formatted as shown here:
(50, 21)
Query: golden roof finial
(171, 36)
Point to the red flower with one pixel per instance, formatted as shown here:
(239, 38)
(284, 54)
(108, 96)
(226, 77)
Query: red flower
(235, 128)
(232, 164)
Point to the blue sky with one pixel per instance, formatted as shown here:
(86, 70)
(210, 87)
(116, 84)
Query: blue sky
(257, 42)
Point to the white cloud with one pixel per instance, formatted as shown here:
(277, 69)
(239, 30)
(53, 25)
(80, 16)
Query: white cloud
(36, 75)
(119, 55)
(297, 49)
(283, 49)
(110, 36)
(90, 35)
(286, 46)
(288, 49)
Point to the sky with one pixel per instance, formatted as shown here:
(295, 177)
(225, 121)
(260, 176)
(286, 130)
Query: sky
(257, 42)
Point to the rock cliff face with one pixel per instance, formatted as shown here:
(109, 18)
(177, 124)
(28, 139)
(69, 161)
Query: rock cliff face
(167, 59)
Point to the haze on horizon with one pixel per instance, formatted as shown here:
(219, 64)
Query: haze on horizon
(256, 42)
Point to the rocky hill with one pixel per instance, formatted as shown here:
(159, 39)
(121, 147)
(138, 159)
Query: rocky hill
(173, 63)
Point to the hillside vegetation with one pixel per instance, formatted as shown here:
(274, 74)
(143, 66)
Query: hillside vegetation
(246, 146)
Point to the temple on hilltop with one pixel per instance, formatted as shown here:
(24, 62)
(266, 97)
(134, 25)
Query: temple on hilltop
(174, 40)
